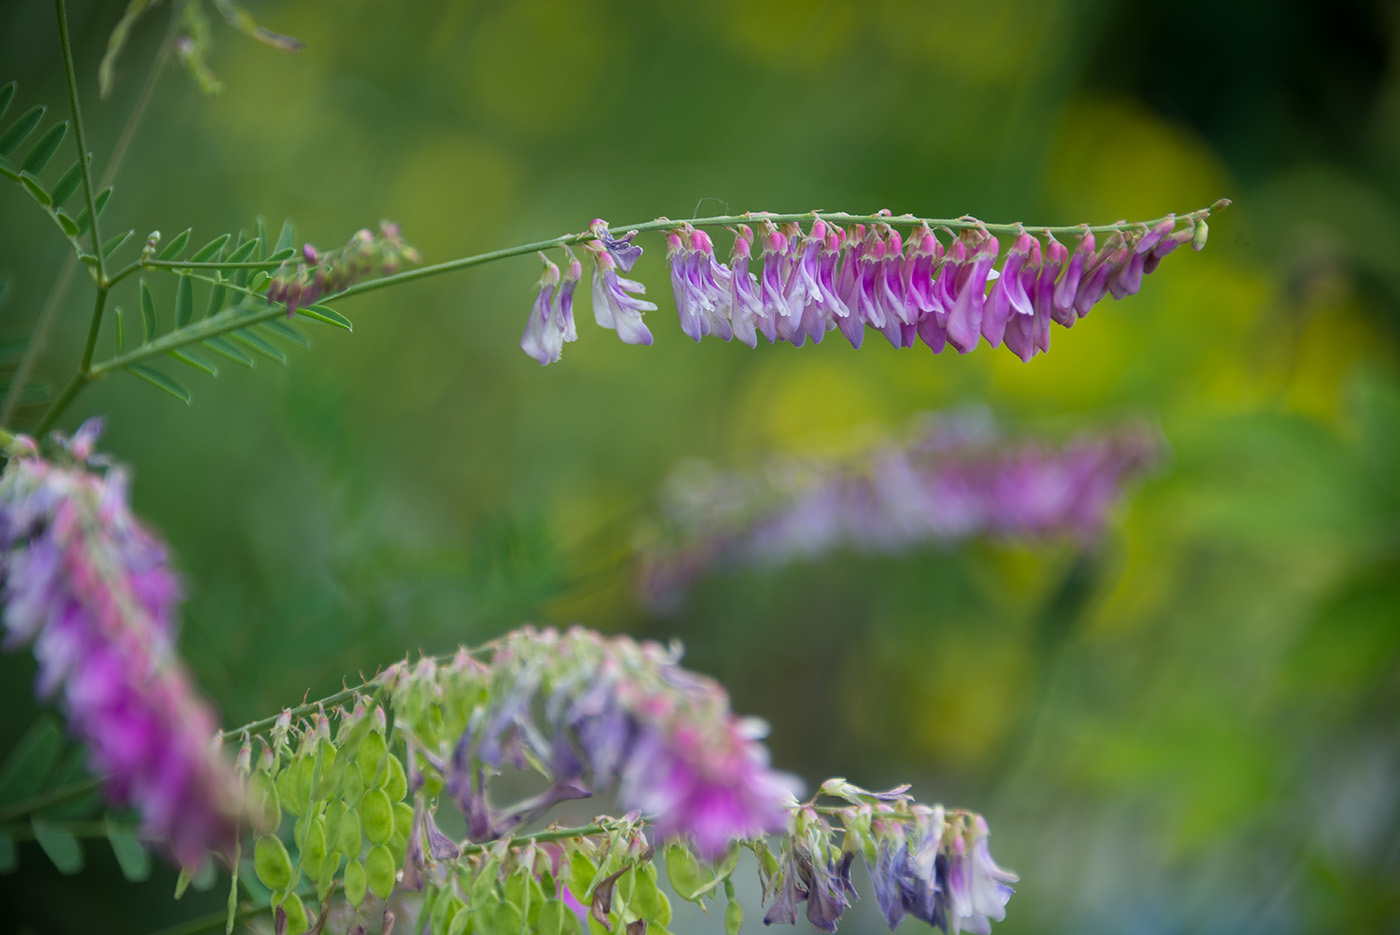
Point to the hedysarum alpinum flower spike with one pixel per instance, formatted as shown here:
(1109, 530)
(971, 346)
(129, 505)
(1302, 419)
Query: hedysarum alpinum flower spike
(953, 478)
(911, 287)
(92, 591)
(589, 712)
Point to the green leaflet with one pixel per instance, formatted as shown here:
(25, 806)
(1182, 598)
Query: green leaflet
(172, 249)
(68, 183)
(186, 355)
(60, 846)
(328, 315)
(84, 220)
(43, 150)
(222, 345)
(115, 242)
(208, 250)
(19, 131)
(7, 94)
(160, 381)
(148, 313)
(134, 860)
(31, 761)
(184, 302)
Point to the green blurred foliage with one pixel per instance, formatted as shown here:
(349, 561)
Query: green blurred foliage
(1190, 729)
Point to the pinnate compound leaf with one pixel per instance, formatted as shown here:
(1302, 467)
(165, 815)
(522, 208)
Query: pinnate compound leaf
(328, 315)
(43, 150)
(222, 345)
(17, 132)
(184, 302)
(67, 183)
(207, 251)
(148, 313)
(160, 381)
(187, 355)
(131, 856)
(31, 761)
(177, 243)
(60, 846)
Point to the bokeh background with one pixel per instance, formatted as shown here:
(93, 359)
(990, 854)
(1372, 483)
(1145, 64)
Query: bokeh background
(1190, 727)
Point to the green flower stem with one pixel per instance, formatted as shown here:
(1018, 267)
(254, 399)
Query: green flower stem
(84, 376)
(27, 807)
(257, 727)
(549, 834)
(80, 136)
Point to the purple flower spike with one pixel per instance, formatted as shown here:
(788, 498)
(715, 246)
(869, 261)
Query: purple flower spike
(93, 592)
(614, 305)
(623, 251)
(544, 332)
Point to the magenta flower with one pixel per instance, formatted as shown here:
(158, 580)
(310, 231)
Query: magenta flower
(93, 593)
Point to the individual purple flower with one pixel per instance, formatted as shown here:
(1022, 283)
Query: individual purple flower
(977, 887)
(702, 285)
(93, 593)
(544, 330)
(614, 304)
(746, 307)
(969, 291)
(623, 251)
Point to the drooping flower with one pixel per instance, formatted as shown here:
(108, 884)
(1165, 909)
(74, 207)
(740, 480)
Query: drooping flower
(702, 285)
(614, 304)
(623, 251)
(591, 712)
(92, 591)
(956, 478)
(551, 322)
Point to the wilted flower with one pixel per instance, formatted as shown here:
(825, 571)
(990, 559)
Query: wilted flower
(93, 592)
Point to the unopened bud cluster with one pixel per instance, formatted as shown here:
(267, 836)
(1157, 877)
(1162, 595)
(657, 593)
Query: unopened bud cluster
(317, 274)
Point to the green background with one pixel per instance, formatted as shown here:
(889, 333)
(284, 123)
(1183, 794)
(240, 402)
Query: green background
(1189, 728)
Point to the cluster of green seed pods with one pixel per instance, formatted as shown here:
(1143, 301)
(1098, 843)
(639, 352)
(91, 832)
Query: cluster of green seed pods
(351, 822)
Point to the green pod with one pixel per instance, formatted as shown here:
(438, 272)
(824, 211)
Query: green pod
(333, 815)
(395, 782)
(370, 756)
(445, 909)
(305, 769)
(271, 863)
(733, 918)
(354, 882)
(313, 847)
(403, 818)
(507, 919)
(377, 817)
(348, 840)
(379, 871)
(459, 923)
(646, 898)
(326, 878)
(266, 803)
(551, 920)
(353, 787)
(286, 790)
(296, 915)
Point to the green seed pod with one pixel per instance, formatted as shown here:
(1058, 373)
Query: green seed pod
(459, 923)
(445, 909)
(395, 782)
(348, 841)
(370, 756)
(266, 803)
(326, 878)
(379, 871)
(271, 863)
(305, 768)
(376, 816)
(733, 918)
(507, 919)
(1198, 239)
(551, 918)
(646, 898)
(313, 846)
(403, 818)
(354, 882)
(296, 915)
(353, 787)
(335, 811)
(286, 790)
